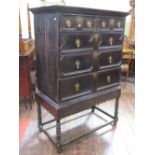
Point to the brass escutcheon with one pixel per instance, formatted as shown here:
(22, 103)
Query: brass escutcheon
(108, 78)
(77, 42)
(110, 59)
(112, 23)
(68, 23)
(95, 55)
(89, 24)
(94, 75)
(77, 64)
(96, 37)
(77, 87)
(111, 41)
(118, 24)
(103, 24)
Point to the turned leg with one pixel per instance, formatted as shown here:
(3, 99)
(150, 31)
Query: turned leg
(93, 108)
(39, 116)
(116, 112)
(58, 135)
(25, 101)
(30, 101)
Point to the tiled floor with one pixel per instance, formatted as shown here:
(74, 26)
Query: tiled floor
(107, 141)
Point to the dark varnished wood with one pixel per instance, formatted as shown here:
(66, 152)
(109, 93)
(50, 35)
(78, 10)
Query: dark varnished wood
(24, 78)
(75, 86)
(75, 54)
(77, 10)
(73, 64)
(67, 108)
(47, 54)
(78, 62)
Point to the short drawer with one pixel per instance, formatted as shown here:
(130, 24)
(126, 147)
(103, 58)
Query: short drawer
(75, 86)
(75, 41)
(109, 58)
(72, 64)
(108, 78)
(77, 23)
(110, 23)
(111, 40)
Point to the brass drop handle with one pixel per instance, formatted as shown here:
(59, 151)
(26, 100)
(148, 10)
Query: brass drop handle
(95, 55)
(110, 59)
(78, 43)
(103, 24)
(118, 24)
(112, 23)
(96, 37)
(79, 23)
(89, 24)
(108, 78)
(77, 87)
(77, 64)
(68, 23)
(111, 40)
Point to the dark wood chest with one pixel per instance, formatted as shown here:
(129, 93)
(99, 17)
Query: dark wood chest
(78, 52)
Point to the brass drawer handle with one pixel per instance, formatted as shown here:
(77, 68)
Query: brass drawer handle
(77, 64)
(68, 23)
(78, 43)
(103, 24)
(110, 59)
(108, 78)
(118, 24)
(77, 87)
(89, 24)
(79, 22)
(112, 23)
(95, 55)
(111, 40)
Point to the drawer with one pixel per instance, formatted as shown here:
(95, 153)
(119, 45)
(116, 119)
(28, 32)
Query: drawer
(109, 58)
(72, 64)
(77, 23)
(75, 86)
(111, 40)
(75, 41)
(110, 23)
(108, 78)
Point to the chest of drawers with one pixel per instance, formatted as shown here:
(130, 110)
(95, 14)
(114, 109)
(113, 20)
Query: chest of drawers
(78, 52)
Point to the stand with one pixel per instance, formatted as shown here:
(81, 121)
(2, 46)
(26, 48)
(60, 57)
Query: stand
(57, 142)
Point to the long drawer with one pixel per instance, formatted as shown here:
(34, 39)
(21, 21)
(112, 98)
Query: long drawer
(81, 42)
(85, 23)
(87, 83)
(73, 64)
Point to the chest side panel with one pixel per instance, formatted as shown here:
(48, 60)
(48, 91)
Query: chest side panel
(47, 54)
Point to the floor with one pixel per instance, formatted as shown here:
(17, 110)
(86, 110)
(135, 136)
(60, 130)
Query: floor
(107, 141)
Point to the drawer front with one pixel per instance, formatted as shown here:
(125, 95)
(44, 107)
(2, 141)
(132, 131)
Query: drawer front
(108, 78)
(77, 23)
(109, 58)
(75, 86)
(72, 64)
(111, 40)
(75, 41)
(110, 23)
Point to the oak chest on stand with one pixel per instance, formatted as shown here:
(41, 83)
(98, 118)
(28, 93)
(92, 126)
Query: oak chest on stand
(78, 53)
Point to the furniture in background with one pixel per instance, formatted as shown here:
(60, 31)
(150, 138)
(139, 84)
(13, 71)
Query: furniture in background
(26, 64)
(128, 56)
(78, 55)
